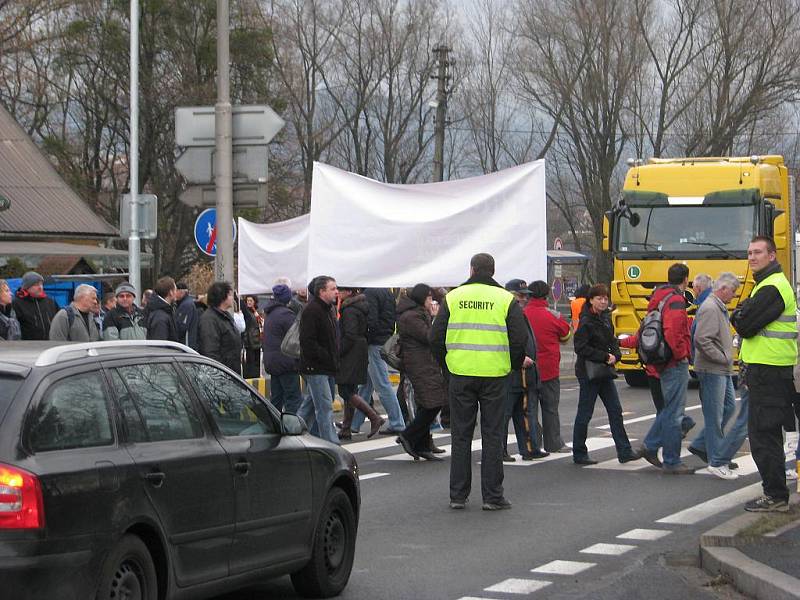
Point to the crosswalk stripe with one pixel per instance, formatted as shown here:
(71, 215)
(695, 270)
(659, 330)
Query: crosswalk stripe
(747, 466)
(637, 465)
(518, 586)
(593, 443)
(366, 476)
(608, 549)
(647, 417)
(379, 444)
(563, 567)
(712, 507)
(645, 535)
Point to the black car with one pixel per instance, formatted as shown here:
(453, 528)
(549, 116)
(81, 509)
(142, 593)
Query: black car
(143, 470)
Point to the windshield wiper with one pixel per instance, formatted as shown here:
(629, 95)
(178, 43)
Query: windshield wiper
(719, 247)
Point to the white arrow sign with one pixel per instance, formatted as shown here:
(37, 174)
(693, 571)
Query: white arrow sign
(253, 125)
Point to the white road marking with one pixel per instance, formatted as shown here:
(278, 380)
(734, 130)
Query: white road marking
(608, 549)
(647, 417)
(563, 567)
(647, 535)
(476, 598)
(518, 586)
(592, 443)
(707, 509)
(636, 465)
(384, 441)
(747, 466)
(366, 476)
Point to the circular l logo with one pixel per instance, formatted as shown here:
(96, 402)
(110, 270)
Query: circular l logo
(634, 272)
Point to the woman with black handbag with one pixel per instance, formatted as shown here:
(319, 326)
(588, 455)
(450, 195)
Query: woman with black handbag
(597, 351)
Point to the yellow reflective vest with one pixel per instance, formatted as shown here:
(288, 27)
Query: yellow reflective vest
(477, 337)
(776, 344)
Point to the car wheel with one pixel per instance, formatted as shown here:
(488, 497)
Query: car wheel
(128, 573)
(327, 572)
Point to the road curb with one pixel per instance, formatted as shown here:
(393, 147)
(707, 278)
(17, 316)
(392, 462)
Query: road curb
(719, 555)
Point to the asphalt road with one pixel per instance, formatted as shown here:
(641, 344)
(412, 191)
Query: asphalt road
(411, 545)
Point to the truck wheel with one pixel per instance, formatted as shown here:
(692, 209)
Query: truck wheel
(636, 379)
(328, 571)
(128, 573)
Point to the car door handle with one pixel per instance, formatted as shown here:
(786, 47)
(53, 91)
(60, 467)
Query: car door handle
(242, 467)
(156, 478)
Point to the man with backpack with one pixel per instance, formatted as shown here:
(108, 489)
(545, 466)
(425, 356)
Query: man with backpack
(75, 323)
(665, 341)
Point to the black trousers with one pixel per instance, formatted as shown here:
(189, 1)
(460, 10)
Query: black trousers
(466, 395)
(418, 431)
(252, 363)
(771, 394)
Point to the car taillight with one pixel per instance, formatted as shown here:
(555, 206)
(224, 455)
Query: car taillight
(21, 504)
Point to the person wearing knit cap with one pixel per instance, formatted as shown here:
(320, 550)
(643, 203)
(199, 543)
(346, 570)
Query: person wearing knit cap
(126, 320)
(284, 371)
(34, 310)
(415, 313)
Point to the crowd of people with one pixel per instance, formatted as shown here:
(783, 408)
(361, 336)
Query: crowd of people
(479, 348)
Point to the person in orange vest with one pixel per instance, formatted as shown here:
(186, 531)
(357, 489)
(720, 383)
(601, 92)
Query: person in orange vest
(576, 305)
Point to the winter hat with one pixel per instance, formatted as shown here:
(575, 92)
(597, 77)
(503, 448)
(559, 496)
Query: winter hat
(419, 293)
(31, 278)
(519, 286)
(282, 293)
(539, 289)
(124, 288)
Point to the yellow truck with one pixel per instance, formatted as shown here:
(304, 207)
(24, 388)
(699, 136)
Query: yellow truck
(698, 211)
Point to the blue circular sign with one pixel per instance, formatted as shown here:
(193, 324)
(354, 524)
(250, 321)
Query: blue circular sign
(205, 231)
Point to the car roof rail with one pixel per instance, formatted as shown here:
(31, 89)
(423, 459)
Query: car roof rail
(52, 356)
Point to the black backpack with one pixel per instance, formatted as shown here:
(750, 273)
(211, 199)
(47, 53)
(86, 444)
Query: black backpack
(653, 348)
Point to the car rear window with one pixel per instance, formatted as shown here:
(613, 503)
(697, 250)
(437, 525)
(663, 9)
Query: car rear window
(8, 389)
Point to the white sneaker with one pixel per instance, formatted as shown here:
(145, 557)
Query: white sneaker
(723, 472)
(791, 474)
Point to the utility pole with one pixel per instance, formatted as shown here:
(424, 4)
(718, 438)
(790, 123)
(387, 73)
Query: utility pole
(134, 241)
(442, 92)
(223, 265)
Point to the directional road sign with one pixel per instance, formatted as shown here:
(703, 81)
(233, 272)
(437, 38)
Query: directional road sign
(205, 231)
(253, 125)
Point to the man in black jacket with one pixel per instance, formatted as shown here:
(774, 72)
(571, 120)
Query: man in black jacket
(186, 317)
(216, 332)
(34, 310)
(319, 356)
(159, 314)
(380, 327)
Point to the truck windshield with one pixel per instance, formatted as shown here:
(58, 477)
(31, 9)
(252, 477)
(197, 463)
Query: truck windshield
(688, 231)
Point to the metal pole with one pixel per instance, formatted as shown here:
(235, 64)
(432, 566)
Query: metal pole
(223, 270)
(134, 274)
(441, 113)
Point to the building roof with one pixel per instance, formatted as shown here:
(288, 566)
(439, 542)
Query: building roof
(41, 201)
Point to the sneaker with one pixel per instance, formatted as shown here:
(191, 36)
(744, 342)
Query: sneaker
(501, 504)
(767, 504)
(649, 455)
(540, 453)
(723, 472)
(458, 504)
(563, 450)
(508, 458)
(701, 454)
(791, 475)
(679, 469)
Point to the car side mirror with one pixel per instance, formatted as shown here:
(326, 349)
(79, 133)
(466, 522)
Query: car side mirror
(293, 425)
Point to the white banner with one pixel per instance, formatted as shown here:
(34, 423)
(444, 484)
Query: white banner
(370, 234)
(271, 250)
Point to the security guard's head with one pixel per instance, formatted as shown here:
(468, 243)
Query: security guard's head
(481, 265)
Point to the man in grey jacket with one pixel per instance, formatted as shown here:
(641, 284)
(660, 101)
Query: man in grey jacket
(75, 323)
(713, 364)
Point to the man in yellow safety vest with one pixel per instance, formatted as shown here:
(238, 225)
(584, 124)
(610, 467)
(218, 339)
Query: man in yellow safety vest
(767, 322)
(478, 337)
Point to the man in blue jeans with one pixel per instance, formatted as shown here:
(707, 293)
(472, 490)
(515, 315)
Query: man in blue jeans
(666, 430)
(713, 363)
(319, 355)
(380, 327)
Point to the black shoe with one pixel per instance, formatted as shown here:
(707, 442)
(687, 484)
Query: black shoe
(501, 504)
(508, 458)
(679, 469)
(437, 450)
(767, 504)
(403, 441)
(584, 461)
(428, 455)
(539, 454)
(701, 454)
(732, 465)
(390, 431)
(563, 450)
(626, 458)
(458, 504)
(687, 424)
(649, 456)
